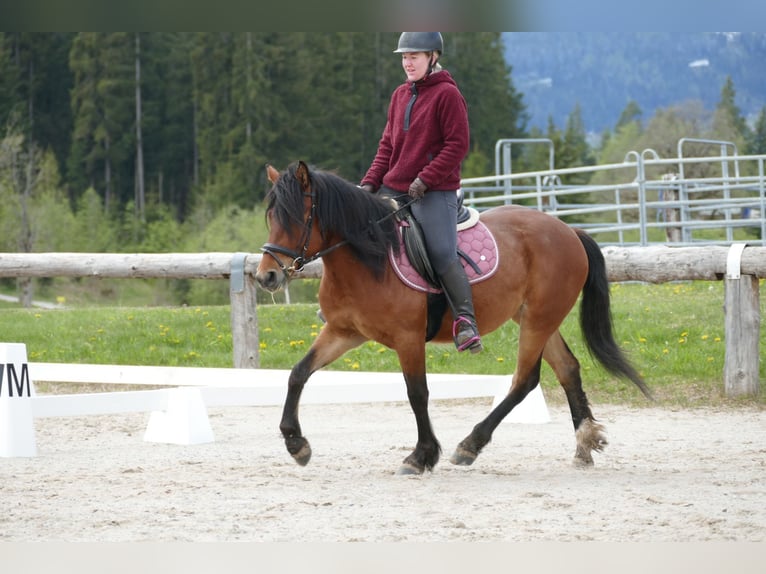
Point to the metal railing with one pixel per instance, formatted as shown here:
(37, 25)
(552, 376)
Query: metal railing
(646, 199)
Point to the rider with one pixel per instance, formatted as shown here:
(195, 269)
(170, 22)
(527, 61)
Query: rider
(425, 139)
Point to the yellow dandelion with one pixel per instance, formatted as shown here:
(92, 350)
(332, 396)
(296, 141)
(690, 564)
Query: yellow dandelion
(500, 360)
(665, 351)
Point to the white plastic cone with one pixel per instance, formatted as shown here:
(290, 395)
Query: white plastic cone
(184, 422)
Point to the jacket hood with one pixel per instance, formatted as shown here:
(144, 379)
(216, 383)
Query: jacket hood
(434, 78)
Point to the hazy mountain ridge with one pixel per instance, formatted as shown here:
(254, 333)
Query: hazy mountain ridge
(604, 71)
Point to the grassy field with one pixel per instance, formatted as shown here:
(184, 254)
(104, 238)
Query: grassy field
(673, 333)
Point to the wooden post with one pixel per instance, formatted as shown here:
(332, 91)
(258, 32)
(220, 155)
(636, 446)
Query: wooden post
(244, 315)
(742, 328)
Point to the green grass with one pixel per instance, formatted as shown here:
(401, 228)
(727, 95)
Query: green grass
(673, 333)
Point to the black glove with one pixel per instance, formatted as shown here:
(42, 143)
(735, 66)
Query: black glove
(367, 187)
(417, 188)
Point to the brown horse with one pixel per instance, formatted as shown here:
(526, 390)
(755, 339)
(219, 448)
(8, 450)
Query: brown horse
(543, 267)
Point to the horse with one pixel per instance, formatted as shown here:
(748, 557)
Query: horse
(543, 266)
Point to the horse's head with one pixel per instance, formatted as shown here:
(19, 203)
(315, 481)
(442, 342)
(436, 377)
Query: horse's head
(313, 213)
(290, 212)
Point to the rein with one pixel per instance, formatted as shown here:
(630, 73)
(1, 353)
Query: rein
(300, 260)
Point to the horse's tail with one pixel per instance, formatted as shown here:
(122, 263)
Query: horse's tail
(596, 317)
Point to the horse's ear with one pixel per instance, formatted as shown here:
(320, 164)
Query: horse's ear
(272, 173)
(302, 173)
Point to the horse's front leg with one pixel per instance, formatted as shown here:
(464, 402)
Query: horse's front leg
(297, 445)
(427, 450)
(328, 346)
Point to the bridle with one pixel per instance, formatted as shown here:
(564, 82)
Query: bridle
(300, 259)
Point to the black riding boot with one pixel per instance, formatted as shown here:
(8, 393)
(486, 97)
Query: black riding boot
(458, 291)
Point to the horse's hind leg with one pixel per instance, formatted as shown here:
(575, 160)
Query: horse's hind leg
(526, 378)
(588, 433)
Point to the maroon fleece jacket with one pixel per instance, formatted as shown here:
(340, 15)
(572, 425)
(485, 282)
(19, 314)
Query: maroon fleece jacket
(434, 143)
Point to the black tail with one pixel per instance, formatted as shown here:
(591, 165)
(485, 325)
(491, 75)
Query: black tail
(596, 318)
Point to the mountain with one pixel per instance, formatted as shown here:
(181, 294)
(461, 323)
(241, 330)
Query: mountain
(604, 71)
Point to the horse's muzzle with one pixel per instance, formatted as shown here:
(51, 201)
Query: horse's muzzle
(271, 280)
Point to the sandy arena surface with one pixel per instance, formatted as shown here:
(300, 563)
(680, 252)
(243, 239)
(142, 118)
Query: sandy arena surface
(667, 475)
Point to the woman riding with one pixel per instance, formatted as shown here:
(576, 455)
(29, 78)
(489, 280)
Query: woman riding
(424, 142)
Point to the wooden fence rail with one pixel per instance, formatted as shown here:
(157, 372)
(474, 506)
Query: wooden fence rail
(739, 266)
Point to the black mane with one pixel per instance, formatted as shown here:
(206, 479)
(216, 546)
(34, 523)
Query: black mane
(363, 220)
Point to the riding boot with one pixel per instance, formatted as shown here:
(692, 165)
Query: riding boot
(458, 291)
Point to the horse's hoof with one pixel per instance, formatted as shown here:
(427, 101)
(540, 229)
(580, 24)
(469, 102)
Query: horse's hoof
(299, 449)
(582, 462)
(582, 458)
(462, 457)
(408, 469)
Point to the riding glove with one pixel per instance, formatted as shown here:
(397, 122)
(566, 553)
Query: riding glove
(417, 188)
(367, 187)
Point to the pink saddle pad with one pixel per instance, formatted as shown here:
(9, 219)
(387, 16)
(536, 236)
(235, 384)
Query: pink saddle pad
(477, 242)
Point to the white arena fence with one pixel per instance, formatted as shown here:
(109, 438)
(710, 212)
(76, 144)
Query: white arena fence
(179, 413)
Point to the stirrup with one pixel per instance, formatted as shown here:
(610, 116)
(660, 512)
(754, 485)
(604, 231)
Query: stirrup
(472, 342)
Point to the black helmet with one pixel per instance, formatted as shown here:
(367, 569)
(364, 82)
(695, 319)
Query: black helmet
(420, 42)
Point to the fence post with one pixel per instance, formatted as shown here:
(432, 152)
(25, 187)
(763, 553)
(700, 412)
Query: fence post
(244, 315)
(742, 326)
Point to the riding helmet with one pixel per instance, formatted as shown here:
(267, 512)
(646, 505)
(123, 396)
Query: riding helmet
(420, 42)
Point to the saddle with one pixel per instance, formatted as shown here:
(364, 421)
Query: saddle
(477, 251)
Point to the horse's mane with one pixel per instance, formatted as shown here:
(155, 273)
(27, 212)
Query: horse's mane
(363, 220)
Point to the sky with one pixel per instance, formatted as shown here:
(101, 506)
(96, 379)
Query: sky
(325, 15)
